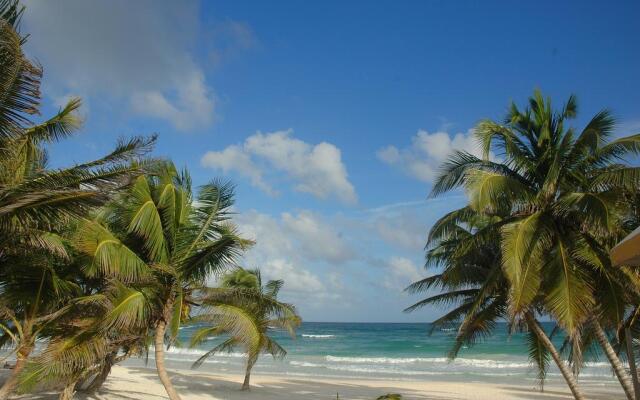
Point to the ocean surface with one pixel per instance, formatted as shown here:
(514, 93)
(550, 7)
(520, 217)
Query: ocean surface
(399, 351)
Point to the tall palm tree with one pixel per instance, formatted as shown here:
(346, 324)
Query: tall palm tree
(36, 203)
(247, 311)
(463, 244)
(158, 234)
(561, 194)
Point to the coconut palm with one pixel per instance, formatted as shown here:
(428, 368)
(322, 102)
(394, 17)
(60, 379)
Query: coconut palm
(560, 192)
(463, 244)
(33, 295)
(159, 235)
(247, 311)
(36, 203)
(98, 331)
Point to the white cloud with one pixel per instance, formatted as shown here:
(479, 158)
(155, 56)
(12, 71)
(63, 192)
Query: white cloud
(401, 273)
(234, 158)
(405, 230)
(302, 236)
(317, 240)
(296, 279)
(286, 248)
(427, 152)
(315, 169)
(336, 265)
(190, 107)
(139, 53)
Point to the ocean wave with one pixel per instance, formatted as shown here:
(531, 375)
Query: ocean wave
(466, 362)
(210, 360)
(387, 364)
(382, 360)
(317, 336)
(198, 352)
(368, 370)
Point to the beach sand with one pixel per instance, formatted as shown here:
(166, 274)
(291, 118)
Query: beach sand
(128, 383)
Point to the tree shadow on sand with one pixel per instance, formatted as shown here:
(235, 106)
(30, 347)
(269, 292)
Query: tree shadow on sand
(212, 386)
(206, 384)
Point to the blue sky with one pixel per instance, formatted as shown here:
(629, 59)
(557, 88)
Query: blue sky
(331, 117)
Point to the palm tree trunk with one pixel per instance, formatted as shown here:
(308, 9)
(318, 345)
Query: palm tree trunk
(102, 376)
(632, 362)
(159, 352)
(247, 376)
(618, 368)
(68, 391)
(11, 383)
(568, 376)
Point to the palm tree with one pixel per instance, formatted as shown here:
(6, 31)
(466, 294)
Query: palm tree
(561, 195)
(247, 311)
(158, 235)
(32, 299)
(36, 203)
(98, 331)
(463, 243)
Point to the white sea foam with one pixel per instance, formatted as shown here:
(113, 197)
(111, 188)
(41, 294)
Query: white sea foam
(198, 352)
(467, 362)
(318, 336)
(369, 369)
(381, 360)
(409, 366)
(210, 360)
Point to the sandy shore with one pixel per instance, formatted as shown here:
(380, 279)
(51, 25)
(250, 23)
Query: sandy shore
(128, 383)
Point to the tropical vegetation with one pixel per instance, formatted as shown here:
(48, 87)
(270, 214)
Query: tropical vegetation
(247, 311)
(546, 203)
(104, 260)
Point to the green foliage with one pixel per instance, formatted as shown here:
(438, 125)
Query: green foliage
(390, 396)
(246, 311)
(545, 206)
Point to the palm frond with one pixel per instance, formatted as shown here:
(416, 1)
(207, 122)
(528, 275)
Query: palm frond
(445, 298)
(539, 356)
(60, 126)
(569, 297)
(19, 82)
(227, 345)
(522, 243)
(145, 221)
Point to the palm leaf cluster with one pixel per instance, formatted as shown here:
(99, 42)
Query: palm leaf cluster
(245, 311)
(38, 204)
(105, 259)
(535, 236)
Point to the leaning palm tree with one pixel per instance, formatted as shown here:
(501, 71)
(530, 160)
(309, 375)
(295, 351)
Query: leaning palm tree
(96, 332)
(560, 192)
(462, 243)
(33, 296)
(37, 203)
(157, 234)
(247, 312)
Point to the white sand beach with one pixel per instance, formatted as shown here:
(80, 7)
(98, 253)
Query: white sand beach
(128, 383)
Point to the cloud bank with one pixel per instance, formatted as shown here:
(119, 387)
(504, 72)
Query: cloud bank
(140, 53)
(316, 169)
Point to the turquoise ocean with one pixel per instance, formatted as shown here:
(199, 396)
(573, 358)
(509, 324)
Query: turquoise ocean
(393, 351)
